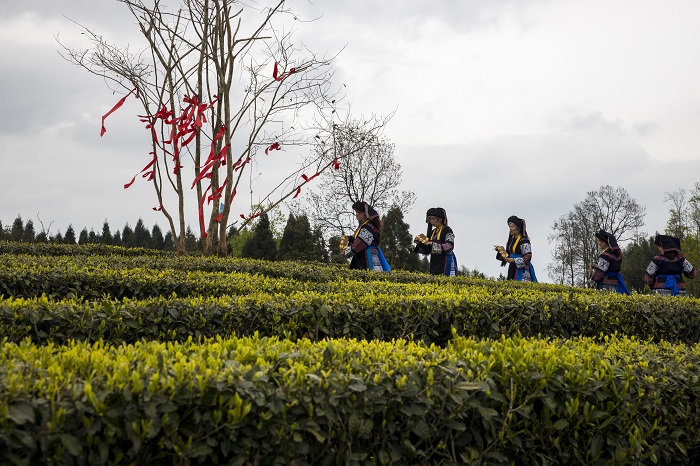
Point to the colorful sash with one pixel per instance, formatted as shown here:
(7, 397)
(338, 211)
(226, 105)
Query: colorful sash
(450, 265)
(621, 286)
(375, 251)
(519, 271)
(671, 283)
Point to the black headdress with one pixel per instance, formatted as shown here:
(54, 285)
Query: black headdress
(362, 206)
(668, 243)
(372, 215)
(438, 212)
(608, 238)
(520, 223)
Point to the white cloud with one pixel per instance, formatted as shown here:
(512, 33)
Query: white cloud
(503, 107)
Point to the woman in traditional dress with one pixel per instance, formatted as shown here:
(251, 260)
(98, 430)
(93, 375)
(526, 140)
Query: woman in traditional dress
(439, 242)
(363, 247)
(518, 252)
(605, 274)
(665, 272)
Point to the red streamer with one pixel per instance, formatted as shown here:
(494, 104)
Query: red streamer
(275, 146)
(280, 77)
(150, 164)
(115, 108)
(307, 179)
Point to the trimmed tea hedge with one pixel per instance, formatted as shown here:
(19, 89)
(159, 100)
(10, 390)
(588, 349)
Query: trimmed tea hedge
(268, 401)
(408, 311)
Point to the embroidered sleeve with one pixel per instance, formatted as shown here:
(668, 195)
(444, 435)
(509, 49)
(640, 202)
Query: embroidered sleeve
(688, 269)
(650, 273)
(449, 243)
(652, 269)
(363, 241)
(366, 236)
(602, 267)
(437, 248)
(526, 250)
(348, 252)
(603, 264)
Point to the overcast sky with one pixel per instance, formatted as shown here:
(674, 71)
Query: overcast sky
(502, 108)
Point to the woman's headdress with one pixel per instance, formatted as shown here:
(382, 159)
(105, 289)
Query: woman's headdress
(362, 206)
(520, 223)
(608, 238)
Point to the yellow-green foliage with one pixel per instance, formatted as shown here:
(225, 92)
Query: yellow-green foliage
(353, 309)
(267, 400)
(112, 357)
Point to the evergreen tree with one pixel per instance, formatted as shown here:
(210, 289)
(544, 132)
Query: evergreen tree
(157, 240)
(191, 242)
(168, 244)
(238, 240)
(106, 234)
(2, 231)
(262, 244)
(142, 237)
(83, 238)
(320, 252)
(17, 231)
(397, 243)
(58, 239)
(297, 241)
(69, 237)
(41, 238)
(93, 238)
(117, 239)
(29, 234)
(127, 236)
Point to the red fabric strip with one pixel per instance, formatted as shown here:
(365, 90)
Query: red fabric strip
(150, 164)
(280, 77)
(275, 146)
(307, 179)
(201, 212)
(115, 108)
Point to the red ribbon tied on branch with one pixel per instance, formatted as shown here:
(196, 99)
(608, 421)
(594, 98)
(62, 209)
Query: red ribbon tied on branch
(116, 107)
(275, 146)
(280, 77)
(148, 174)
(336, 163)
(309, 178)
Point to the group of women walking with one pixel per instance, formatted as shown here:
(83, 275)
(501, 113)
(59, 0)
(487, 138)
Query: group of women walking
(664, 275)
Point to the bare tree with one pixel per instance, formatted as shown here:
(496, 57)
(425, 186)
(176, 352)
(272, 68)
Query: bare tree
(564, 269)
(371, 174)
(610, 209)
(221, 84)
(678, 214)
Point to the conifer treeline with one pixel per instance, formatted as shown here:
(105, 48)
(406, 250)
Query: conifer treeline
(298, 241)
